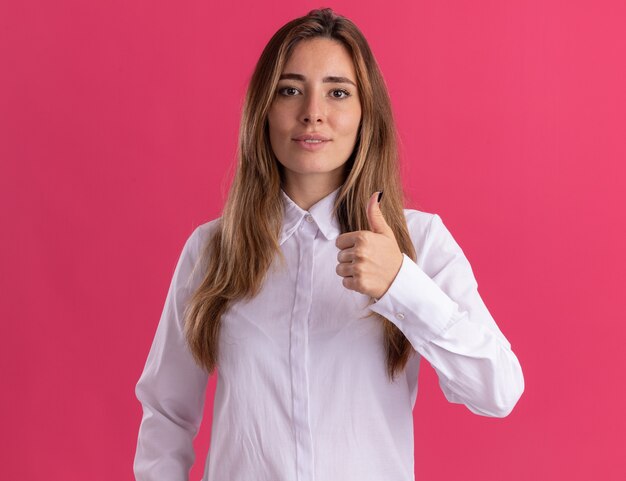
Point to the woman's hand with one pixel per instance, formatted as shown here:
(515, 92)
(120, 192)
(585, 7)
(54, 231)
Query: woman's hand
(369, 260)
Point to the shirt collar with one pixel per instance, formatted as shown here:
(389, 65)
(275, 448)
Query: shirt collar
(321, 211)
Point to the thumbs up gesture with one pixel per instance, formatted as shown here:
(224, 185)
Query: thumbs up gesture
(369, 260)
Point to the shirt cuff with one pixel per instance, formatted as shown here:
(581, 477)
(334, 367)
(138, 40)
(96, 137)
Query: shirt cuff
(416, 305)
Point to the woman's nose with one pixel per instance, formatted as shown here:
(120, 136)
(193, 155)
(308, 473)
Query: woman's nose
(312, 110)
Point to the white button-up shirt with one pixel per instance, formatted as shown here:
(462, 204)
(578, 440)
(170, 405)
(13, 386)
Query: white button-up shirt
(302, 391)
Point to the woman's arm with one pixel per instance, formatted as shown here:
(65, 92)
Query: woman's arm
(436, 304)
(172, 387)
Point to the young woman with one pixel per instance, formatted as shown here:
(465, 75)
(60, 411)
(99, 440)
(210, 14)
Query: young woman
(314, 296)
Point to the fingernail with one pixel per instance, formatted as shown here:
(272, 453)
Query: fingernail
(380, 196)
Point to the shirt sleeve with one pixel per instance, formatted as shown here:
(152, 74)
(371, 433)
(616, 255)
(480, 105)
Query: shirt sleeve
(172, 386)
(438, 308)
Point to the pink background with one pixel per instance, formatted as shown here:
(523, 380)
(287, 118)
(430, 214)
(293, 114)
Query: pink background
(118, 124)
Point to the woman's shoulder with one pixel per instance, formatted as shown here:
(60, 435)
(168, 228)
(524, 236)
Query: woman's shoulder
(419, 223)
(205, 229)
(199, 236)
(427, 229)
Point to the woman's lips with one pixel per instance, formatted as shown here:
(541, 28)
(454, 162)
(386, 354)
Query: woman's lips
(312, 146)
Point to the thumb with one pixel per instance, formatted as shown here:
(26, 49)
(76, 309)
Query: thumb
(375, 216)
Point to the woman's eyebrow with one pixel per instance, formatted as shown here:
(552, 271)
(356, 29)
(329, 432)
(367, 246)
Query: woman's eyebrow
(330, 79)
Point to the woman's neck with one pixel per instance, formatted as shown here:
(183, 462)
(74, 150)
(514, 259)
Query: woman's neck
(306, 197)
(307, 190)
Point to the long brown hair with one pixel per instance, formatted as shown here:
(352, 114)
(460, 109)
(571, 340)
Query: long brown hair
(245, 240)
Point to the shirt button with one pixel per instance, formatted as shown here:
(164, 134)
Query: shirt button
(309, 218)
(400, 315)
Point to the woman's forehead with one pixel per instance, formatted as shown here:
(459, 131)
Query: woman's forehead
(319, 57)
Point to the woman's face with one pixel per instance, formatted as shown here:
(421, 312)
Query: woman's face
(316, 96)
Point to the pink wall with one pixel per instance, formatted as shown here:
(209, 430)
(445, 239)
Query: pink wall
(118, 124)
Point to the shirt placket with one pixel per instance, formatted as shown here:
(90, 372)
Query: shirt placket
(299, 350)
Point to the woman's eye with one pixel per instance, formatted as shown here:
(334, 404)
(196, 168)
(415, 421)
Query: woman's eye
(343, 94)
(292, 91)
(288, 91)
